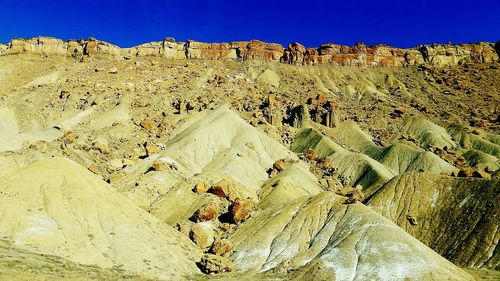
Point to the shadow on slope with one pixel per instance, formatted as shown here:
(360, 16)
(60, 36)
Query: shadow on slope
(374, 165)
(457, 217)
(337, 242)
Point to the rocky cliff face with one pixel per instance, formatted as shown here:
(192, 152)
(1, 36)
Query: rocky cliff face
(457, 54)
(382, 55)
(47, 46)
(3, 47)
(245, 51)
(357, 55)
(295, 53)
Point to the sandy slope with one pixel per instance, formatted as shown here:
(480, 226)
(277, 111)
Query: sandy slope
(154, 129)
(57, 207)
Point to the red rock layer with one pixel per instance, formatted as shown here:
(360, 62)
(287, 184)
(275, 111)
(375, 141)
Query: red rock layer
(295, 53)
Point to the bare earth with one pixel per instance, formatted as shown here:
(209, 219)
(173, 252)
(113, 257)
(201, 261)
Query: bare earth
(156, 168)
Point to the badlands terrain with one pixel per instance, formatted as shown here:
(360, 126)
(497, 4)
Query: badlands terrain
(248, 161)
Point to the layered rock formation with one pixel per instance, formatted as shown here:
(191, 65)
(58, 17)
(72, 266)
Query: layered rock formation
(357, 55)
(47, 46)
(121, 162)
(255, 50)
(336, 242)
(448, 54)
(382, 55)
(463, 210)
(246, 51)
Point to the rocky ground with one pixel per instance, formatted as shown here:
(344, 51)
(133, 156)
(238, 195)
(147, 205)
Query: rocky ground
(125, 166)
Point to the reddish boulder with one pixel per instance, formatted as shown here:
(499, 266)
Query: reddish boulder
(241, 210)
(221, 189)
(206, 213)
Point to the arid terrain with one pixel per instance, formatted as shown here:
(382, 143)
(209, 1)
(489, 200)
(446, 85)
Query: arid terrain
(248, 161)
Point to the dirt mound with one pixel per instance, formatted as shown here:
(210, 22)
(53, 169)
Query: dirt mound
(57, 207)
(373, 165)
(349, 242)
(454, 216)
(212, 146)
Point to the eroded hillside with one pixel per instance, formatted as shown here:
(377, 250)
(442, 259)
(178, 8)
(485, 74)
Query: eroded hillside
(121, 163)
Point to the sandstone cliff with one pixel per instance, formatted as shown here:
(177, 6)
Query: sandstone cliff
(295, 53)
(457, 54)
(3, 47)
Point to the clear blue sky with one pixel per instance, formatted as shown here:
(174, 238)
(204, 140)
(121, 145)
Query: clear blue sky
(402, 23)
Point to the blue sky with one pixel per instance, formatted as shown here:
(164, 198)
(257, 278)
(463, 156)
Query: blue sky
(402, 23)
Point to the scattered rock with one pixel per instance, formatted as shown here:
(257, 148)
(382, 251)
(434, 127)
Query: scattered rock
(460, 161)
(217, 80)
(279, 165)
(271, 115)
(480, 172)
(200, 188)
(98, 101)
(184, 228)
(212, 264)
(202, 234)
(325, 163)
(159, 165)
(353, 194)
(397, 113)
(69, 137)
(114, 177)
(138, 152)
(101, 144)
(476, 131)
(93, 168)
(356, 194)
(241, 210)
(466, 172)
(116, 163)
(206, 213)
(271, 100)
(412, 220)
(311, 155)
(148, 125)
(39, 145)
(151, 148)
(129, 162)
(221, 189)
(222, 247)
(350, 200)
